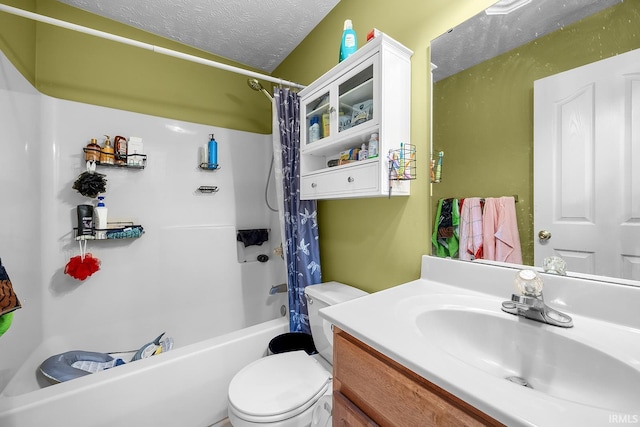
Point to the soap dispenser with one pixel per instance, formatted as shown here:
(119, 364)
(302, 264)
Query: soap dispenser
(212, 148)
(107, 155)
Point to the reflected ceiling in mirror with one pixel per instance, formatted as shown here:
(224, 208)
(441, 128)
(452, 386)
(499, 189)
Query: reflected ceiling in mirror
(486, 36)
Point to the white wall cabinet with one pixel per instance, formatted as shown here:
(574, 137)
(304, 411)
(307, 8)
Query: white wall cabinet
(369, 92)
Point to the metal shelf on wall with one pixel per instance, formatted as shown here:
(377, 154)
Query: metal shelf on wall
(210, 166)
(116, 231)
(131, 161)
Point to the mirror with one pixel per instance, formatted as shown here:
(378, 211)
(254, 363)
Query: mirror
(482, 74)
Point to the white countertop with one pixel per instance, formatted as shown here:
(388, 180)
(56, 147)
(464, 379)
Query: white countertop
(386, 321)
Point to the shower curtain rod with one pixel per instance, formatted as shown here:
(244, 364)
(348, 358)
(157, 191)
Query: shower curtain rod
(147, 46)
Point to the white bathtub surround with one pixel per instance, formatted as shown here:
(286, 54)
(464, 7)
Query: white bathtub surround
(181, 277)
(448, 327)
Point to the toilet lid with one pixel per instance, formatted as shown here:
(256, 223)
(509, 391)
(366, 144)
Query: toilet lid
(279, 386)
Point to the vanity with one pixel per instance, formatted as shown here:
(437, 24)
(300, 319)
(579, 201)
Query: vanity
(441, 351)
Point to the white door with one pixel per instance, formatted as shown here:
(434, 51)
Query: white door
(587, 167)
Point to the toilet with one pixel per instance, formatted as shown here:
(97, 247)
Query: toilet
(292, 389)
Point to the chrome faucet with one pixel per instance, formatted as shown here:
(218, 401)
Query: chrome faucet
(529, 302)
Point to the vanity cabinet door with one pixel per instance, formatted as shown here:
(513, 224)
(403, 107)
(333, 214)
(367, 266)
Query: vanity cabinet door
(392, 395)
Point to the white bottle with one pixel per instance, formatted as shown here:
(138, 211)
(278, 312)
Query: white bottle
(373, 145)
(363, 154)
(100, 219)
(314, 129)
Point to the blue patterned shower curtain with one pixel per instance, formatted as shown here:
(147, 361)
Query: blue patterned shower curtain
(300, 222)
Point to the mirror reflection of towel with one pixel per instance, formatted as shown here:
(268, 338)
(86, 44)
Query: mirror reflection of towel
(256, 236)
(445, 233)
(500, 231)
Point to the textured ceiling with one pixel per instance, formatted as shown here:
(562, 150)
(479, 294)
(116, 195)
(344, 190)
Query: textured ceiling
(256, 33)
(486, 36)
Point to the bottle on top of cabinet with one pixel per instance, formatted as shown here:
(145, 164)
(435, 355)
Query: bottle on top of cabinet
(349, 42)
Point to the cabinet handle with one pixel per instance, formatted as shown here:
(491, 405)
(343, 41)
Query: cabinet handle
(332, 110)
(350, 179)
(314, 185)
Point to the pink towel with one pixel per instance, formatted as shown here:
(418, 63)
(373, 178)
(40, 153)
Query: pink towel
(501, 241)
(471, 229)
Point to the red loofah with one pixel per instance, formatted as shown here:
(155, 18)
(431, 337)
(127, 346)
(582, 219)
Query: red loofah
(81, 269)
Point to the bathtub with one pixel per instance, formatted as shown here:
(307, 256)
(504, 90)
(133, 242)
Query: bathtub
(185, 387)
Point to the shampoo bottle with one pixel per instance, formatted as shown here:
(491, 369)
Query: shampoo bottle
(314, 129)
(213, 153)
(100, 221)
(349, 42)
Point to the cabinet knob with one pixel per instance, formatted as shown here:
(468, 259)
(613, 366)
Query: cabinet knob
(332, 110)
(314, 185)
(350, 179)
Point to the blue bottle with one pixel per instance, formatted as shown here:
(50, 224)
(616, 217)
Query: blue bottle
(213, 153)
(349, 43)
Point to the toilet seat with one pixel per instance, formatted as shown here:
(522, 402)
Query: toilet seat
(278, 387)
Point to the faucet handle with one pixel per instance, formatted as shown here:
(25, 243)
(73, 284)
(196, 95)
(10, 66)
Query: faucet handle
(528, 283)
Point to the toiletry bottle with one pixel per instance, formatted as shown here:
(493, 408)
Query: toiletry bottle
(92, 152)
(85, 220)
(349, 42)
(100, 219)
(439, 166)
(120, 146)
(326, 126)
(373, 145)
(107, 156)
(314, 129)
(213, 152)
(363, 154)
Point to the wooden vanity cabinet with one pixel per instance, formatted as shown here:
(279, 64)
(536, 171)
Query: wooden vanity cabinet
(370, 389)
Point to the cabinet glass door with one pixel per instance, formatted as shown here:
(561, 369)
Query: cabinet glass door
(355, 97)
(317, 118)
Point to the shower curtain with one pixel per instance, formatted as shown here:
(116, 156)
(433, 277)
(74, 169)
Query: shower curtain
(302, 251)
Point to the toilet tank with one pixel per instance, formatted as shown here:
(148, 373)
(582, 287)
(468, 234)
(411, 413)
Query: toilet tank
(321, 296)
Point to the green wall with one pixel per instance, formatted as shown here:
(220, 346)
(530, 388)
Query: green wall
(378, 243)
(18, 38)
(484, 115)
(70, 65)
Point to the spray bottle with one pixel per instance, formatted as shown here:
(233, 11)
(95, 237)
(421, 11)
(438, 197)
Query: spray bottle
(349, 43)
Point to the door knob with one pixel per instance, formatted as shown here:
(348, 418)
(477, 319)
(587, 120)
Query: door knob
(544, 235)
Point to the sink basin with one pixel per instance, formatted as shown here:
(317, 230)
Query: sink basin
(550, 360)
